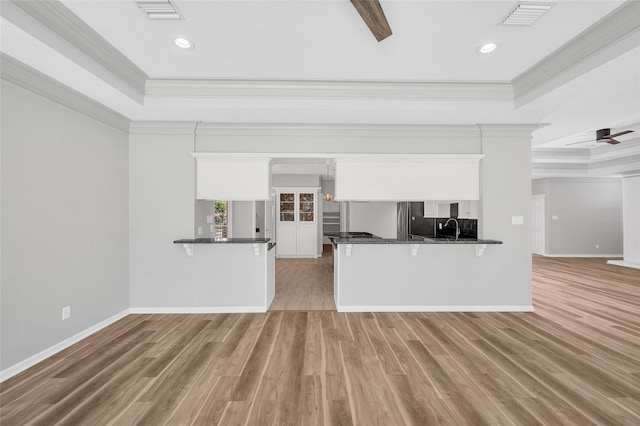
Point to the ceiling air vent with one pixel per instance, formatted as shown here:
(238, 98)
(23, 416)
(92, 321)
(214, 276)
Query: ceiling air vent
(159, 9)
(526, 14)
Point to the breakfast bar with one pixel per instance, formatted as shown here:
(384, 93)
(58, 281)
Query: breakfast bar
(420, 274)
(227, 275)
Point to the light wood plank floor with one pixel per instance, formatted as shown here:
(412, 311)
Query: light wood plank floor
(305, 284)
(573, 361)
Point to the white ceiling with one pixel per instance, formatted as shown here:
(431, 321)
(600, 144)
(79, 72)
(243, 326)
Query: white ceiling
(326, 41)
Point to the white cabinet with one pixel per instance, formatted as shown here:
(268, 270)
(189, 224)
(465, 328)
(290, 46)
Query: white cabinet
(415, 177)
(297, 222)
(468, 209)
(220, 177)
(430, 209)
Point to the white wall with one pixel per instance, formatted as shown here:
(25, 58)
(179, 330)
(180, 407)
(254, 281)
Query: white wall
(295, 180)
(162, 192)
(161, 210)
(64, 223)
(379, 218)
(631, 218)
(587, 211)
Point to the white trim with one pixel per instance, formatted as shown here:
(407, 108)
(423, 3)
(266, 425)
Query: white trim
(199, 310)
(41, 356)
(364, 157)
(582, 255)
(321, 89)
(343, 131)
(437, 308)
(33, 80)
(53, 24)
(608, 38)
(163, 128)
(623, 263)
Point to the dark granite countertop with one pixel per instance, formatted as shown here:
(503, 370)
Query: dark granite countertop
(412, 240)
(223, 241)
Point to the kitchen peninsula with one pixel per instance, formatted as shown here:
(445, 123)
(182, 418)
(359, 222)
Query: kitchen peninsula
(417, 274)
(230, 274)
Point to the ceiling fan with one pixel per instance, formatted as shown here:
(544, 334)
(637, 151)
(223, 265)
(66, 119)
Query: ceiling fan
(605, 136)
(373, 15)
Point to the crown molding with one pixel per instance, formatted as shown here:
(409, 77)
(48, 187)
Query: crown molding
(14, 71)
(613, 35)
(509, 131)
(337, 130)
(315, 90)
(163, 128)
(608, 168)
(570, 179)
(56, 26)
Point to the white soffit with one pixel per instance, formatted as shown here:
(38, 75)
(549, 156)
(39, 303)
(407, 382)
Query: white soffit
(55, 25)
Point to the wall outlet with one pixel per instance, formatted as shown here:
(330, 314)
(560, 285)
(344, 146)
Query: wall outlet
(66, 312)
(517, 220)
(554, 217)
(597, 245)
(211, 228)
(199, 230)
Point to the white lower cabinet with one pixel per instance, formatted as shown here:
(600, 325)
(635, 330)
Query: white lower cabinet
(307, 240)
(287, 240)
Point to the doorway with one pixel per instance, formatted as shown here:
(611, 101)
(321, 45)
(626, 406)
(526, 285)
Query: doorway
(538, 224)
(305, 284)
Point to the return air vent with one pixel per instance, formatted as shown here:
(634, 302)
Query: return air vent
(159, 9)
(526, 14)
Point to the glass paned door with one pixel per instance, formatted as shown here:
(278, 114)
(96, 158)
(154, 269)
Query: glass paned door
(287, 207)
(307, 206)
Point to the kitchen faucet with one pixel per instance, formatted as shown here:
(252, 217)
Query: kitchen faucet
(457, 227)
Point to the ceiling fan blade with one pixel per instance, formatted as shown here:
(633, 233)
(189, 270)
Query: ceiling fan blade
(613, 141)
(620, 133)
(373, 15)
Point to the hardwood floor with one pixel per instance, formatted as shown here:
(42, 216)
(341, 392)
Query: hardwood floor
(573, 361)
(305, 284)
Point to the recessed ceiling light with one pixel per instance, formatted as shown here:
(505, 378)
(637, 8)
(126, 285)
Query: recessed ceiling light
(183, 43)
(487, 47)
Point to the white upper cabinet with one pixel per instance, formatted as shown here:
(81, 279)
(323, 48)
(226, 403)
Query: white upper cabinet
(468, 209)
(219, 177)
(409, 178)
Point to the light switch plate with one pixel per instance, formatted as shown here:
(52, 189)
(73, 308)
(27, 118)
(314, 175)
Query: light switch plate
(199, 230)
(517, 220)
(554, 217)
(210, 218)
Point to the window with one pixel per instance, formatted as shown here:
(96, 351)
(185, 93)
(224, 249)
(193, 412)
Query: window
(221, 219)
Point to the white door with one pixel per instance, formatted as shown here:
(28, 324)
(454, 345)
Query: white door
(538, 225)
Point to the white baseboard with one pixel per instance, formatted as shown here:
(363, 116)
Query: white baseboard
(41, 356)
(498, 308)
(582, 255)
(200, 310)
(623, 263)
